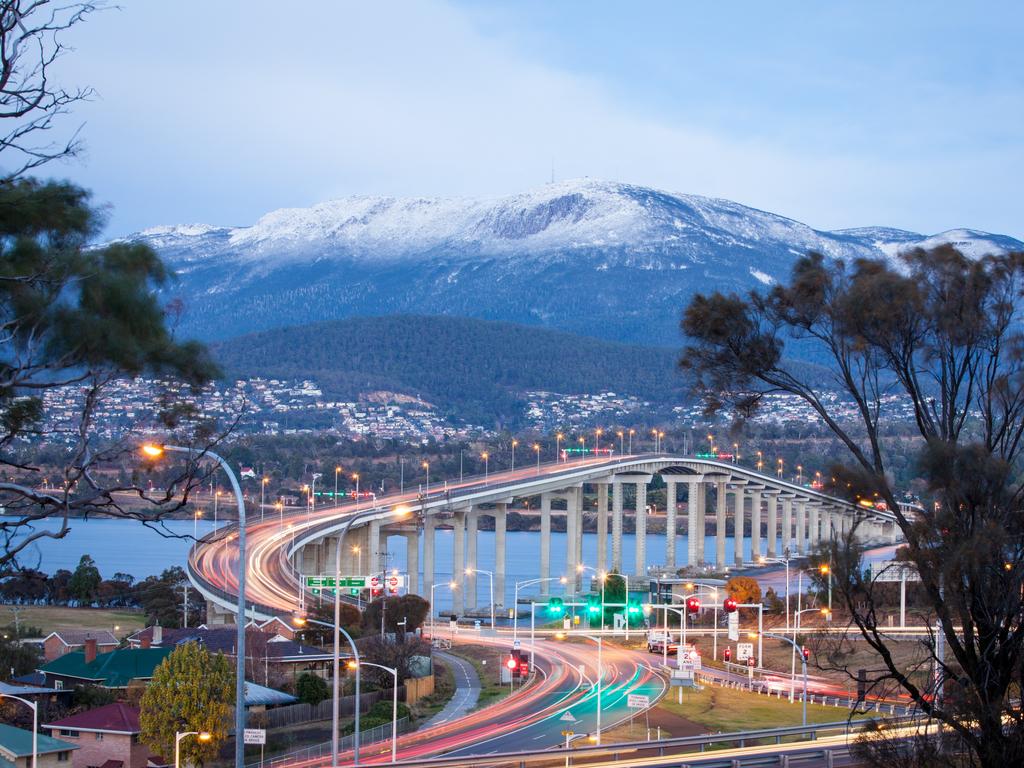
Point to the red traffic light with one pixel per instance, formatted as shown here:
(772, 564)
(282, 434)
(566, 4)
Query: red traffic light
(693, 605)
(807, 653)
(511, 663)
(728, 654)
(730, 604)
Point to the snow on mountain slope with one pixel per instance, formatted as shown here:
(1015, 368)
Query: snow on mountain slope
(602, 258)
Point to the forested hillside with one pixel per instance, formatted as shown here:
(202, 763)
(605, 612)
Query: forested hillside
(477, 368)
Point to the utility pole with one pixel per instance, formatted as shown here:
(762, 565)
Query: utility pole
(184, 604)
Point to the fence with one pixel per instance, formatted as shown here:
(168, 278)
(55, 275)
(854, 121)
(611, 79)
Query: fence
(293, 714)
(323, 751)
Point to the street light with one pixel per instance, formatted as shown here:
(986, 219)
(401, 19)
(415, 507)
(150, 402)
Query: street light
(490, 577)
(514, 444)
(426, 468)
(515, 602)
(597, 443)
(35, 725)
(803, 661)
(201, 735)
(760, 462)
(558, 444)
(781, 467)
(620, 433)
(263, 495)
(337, 471)
(452, 586)
(155, 452)
(536, 450)
(782, 560)
(394, 703)
(486, 457)
(631, 433)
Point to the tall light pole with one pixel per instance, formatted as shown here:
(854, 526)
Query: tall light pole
(514, 444)
(426, 468)
(536, 450)
(201, 735)
(195, 524)
(312, 492)
(785, 561)
(35, 725)
(155, 452)
(631, 433)
(620, 433)
(337, 471)
(394, 703)
(452, 586)
(355, 477)
(803, 661)
(781, 467)
(515, 601)
(486, 456)
(263, 495)
(558, 445)
(490, 578)
(597, 440)
(583, 447)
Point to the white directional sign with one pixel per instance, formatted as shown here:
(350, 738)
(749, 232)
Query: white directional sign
(744, 651)
(638, 701)
(893, 570)
(734, 626)
(567, 717)
(254, 736)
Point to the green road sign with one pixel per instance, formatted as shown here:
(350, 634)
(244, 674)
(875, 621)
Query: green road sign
(314, 582)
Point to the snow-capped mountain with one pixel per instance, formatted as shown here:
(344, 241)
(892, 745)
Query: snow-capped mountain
(597, 258)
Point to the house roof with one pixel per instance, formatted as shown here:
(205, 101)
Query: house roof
(260, 695)
(114, 670)
(25, 690)
(71, 637)
(224, 640)
(112, 718)
(18, 742)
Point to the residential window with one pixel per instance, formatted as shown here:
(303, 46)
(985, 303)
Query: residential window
(58, 684)
(99, 737)
(69, 733)
(62, 757)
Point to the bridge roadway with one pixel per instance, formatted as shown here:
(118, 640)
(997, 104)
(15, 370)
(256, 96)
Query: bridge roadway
(282, 548)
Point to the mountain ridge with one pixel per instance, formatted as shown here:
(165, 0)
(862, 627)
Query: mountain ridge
(596, 258)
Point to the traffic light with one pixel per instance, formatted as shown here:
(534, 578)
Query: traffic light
(807, 653)
(693, 605)
(593, 605)
(730, 604)
(556, 606)
(634, 611)
(727, 654)
(518, 663)
(512, 663)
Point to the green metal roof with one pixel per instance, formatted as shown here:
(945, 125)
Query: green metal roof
(18, 741)
(113, 670)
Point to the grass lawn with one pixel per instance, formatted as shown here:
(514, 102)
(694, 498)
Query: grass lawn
(444, 689)
(729, 709)
(51, 617)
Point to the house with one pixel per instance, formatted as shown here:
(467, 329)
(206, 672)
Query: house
(114, 670)
(16, 749)
(106, 736)
(65, 640)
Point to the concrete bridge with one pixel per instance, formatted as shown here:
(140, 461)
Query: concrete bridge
(771, 509)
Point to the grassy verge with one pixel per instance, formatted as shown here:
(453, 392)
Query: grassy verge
(53, 617)
(444, 689)
(729, 709)
(487, 662)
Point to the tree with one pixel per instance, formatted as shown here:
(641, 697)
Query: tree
(192, 690)
(85, 581)
(161, 597)
(397, 654)
(744, 589)
(311, 689)
(412, 609)
(942, 332)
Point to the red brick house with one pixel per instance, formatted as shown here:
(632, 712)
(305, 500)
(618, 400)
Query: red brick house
(106, 736)
(56, 644)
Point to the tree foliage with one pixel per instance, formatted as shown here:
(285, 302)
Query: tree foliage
(941, 332)
(412, 609)
(85, 581)
(744, 589)
(192, 690)
(311, 689)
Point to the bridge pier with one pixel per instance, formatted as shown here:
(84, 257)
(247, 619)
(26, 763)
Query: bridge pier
(739, 522)
(500, 522)
(639, 564)
(755, 524)
(670, 522)
(573, 500)
(429, 527)
(602, 527)
(412, 560)
(772, 531)
(468, 574)
(721, 515)
(787, 523)
(545, 542)
(694, 523)
(617, 525)
(459, 560)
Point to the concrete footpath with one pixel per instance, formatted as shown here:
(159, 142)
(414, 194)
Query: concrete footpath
(467, 690)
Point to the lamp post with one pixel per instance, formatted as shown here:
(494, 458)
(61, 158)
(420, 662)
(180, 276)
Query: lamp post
(784, 560)
(486, 456)
(490, 578)
(155, 452)
(263, 495)
(195, 524)
(620, 433)
(394, 704)
(597, 441)
(426, 468)
(452, 586)
(201, 735)
(803, 661)
(631, 433)
(514, 444)
(355, 477)
(558, 445)
(312, 492)
(536, 450)
(337, 471)
(515, 601)
(35, 725)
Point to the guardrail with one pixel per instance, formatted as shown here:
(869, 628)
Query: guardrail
(370, 736)
(663, 748)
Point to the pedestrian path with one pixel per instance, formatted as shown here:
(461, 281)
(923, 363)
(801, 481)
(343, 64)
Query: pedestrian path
(467, 690)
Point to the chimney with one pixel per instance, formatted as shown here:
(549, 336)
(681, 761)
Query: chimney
(90, 650)
(146, 641)
(158, 635)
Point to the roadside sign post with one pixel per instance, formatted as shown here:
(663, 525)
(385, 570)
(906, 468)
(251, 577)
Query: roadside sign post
(255, 736)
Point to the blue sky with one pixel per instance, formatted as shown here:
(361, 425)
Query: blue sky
(837, 114)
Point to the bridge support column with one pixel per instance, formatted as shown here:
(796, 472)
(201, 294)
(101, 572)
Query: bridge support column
(500, 519)
(640, 566)
(469, 572)
(739, 525)
(602, 527)
(412, 562)
(787, 525)
(801, 526)
(694, 524)
(617, 526)
(545, 542)
(670, 524)
(702, 525)
(459, 561)
(721, 512)
(755, 526)
(429, 525)
(375, 551)
(814, 534)
(572, 533)
(772, 529)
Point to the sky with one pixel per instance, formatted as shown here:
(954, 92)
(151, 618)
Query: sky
(837, 114)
